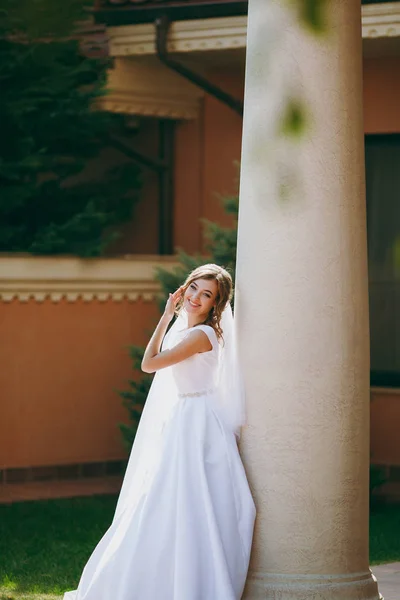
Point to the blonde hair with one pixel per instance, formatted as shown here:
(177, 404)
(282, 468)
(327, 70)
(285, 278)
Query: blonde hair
(224, 294)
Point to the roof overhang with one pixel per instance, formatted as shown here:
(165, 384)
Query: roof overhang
(128, 13)
(203, 35)
(141, 84)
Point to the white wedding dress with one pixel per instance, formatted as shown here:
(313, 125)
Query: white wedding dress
(184, 524)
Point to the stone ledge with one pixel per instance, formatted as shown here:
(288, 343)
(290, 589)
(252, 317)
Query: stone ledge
(56, 278)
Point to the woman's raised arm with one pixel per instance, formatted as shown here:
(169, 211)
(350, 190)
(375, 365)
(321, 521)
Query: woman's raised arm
(153, 359)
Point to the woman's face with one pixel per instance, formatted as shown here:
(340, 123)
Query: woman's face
(200, 297)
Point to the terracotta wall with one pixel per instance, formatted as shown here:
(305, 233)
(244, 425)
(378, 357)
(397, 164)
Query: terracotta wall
(382, 115)
(206, 152)
(61, 364)
(385, 419)
(207, 149)
(382, 95)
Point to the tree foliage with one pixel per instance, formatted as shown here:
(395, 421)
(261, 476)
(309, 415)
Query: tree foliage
(50, 132)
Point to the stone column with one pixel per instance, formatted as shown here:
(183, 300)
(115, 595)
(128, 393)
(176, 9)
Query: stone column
(302, 307)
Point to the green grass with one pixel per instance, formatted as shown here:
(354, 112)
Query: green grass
(44, 545)
(384, 535)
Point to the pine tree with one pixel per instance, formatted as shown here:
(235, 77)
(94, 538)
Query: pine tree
(135, 397)
(221, 249)
(49, 132)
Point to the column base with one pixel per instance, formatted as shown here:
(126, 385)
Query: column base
(271, 586)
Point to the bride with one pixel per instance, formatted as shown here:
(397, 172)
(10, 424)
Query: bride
(183, 524)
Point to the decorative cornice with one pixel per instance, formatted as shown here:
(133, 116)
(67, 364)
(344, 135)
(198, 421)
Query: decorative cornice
(149, 105)
(144, 86)
(378, 20)
(184, 36)
(381, 20)
(56, 278)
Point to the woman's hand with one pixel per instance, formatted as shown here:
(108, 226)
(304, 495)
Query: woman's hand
(154, 346)
(172, 302)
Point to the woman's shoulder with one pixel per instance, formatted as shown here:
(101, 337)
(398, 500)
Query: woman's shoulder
(210, 332)
(204, 327)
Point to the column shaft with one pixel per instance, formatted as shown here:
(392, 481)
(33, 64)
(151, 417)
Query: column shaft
(302, 306)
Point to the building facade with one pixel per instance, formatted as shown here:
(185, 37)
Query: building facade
(178, 77)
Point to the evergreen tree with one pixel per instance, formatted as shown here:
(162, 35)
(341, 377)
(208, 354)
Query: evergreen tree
(49, 132)
(221, 249)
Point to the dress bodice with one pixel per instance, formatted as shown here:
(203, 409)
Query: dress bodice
(199, 372)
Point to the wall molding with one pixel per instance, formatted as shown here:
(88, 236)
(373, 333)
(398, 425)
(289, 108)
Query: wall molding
(144, 86)
(24, 278)
(223, 33)
(184, 36)
(149, 105)
(381, 20)
(140, 84)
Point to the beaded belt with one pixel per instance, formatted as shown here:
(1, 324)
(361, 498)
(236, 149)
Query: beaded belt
(196, 394)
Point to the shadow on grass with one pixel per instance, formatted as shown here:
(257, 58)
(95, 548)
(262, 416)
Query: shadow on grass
(45, 545)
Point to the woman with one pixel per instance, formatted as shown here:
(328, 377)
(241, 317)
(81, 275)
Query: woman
(184, 521)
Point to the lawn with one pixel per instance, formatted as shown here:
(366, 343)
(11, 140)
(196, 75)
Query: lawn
(384, 535)
(44, 545)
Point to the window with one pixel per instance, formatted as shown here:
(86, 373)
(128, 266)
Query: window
(382, 160)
